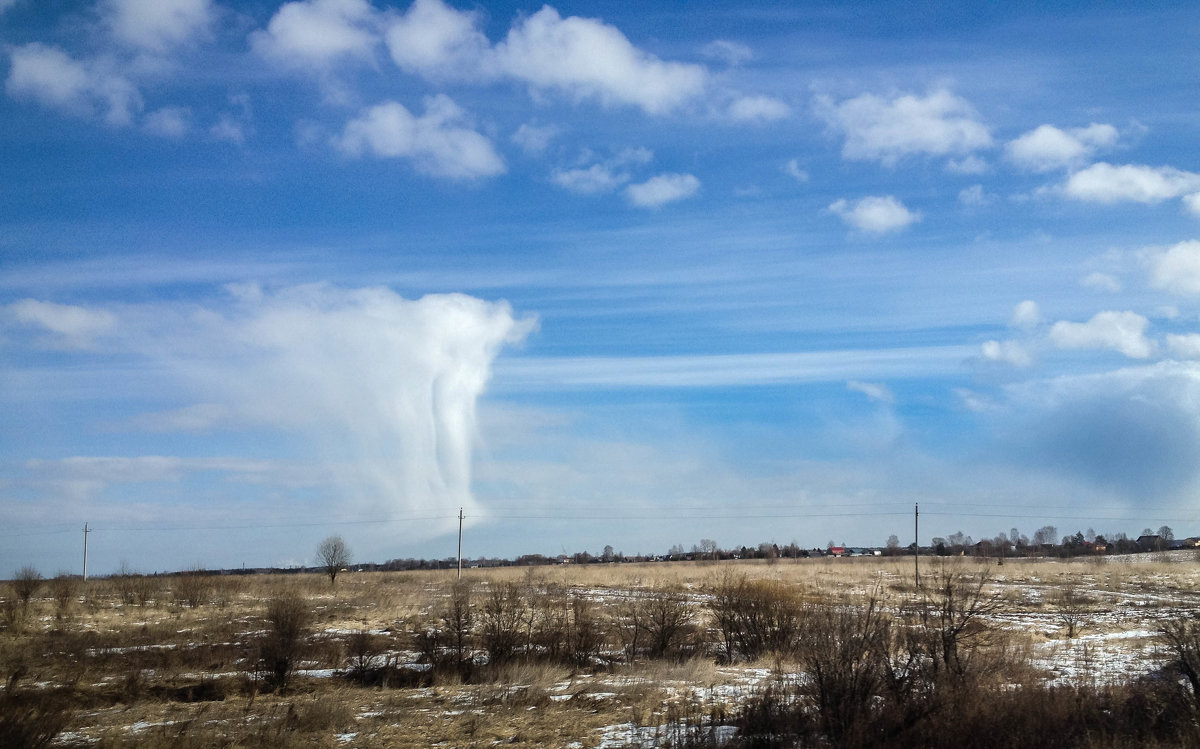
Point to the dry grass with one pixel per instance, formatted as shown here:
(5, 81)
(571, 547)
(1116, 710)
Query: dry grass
(174, 660)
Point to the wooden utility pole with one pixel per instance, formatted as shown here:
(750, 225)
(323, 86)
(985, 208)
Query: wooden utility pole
(85, 534)
(460, 519)
(917, 543)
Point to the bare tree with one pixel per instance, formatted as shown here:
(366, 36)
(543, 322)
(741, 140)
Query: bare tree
(332, 556)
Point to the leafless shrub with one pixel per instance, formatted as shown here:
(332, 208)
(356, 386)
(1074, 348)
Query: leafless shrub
(280, 648)
(26, 582)
(363, 648)
(1180, 638)
(754, 617)
(194, 588)
(670, 625)
(65, 587)
(458, 618)
(953, 610)
(30, 717)
(585, 632)
(843, 655)
(1071, 608)
(500, 622)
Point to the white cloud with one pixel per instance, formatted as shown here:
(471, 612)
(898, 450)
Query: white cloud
(758, 109)
(1011, 353)
(534, 139)
(1185, 346)
(1176, 269)
(74, 327)
(1101, 282)
(168, 122)
(227, 128)
(381, 389)
(728, 52)
(434, 40)
(793, 170)
(156, 25)
(1105, 183)
(316, 34)
(873, 390)
(1192, 203)
(1047, 148)
(974, 196)
(876, 129)
(1026, 315)
(875, 214)
(585, 57)
(1120, 331)
(51, 77)
(665, 188)
(970, 164)
(435, 142)
(597, 178)
(722, 370)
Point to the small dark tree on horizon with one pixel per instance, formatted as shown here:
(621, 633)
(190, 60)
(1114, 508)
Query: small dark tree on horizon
(332, 556)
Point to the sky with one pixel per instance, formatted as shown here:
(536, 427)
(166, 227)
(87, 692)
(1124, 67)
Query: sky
(627, 274)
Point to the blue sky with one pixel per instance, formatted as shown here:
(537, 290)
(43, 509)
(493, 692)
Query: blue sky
(629, 274)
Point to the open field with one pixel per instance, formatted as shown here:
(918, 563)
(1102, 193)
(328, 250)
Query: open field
(682, 654)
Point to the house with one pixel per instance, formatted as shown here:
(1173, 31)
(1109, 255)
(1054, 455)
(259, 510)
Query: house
(837, 551)
(1153, 542)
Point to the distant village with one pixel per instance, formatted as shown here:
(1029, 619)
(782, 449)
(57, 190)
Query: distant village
(1003, 546)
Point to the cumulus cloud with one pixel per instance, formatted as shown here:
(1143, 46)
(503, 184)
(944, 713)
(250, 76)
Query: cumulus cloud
(974, 196)
(758, 109)
(591, 180)
(437, 41)
(84, 88)
(1101, 282)
(581, 57)
(1119, 331)
(1011, 353)
(878, 129)
(157, 25)
(1177, 268)
(72, 326)
(1047, 148)
(875, 214)
(168, 122)
(534, 139)
(969, 164)
(873, 390)
(1026, 315)
(665, 188)
(316, 34)
(585, 57)
(1106, 183)
(728, 52)
(793, 170)
(435, 142)
(1184, 346)
(1192, 203)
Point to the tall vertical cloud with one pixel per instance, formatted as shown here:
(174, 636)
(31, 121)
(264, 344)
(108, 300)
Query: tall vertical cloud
(377, 391)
